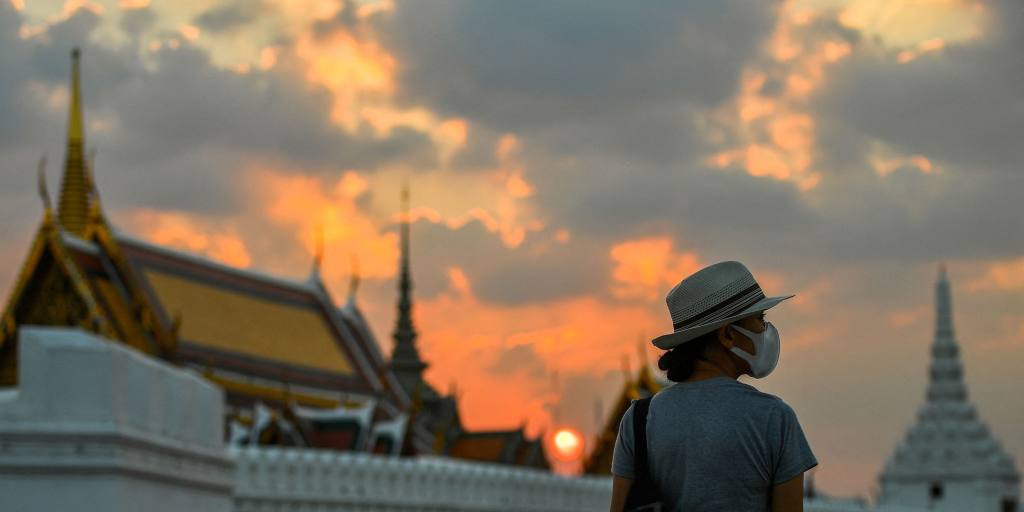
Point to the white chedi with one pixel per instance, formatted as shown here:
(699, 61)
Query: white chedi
(949, 460)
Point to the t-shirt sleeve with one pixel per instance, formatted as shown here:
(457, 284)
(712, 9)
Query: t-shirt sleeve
(622, 457)
(794, 455)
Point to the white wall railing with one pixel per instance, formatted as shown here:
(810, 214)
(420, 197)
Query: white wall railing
(300, 480)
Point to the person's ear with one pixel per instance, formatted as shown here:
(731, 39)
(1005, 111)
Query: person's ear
(726, 337)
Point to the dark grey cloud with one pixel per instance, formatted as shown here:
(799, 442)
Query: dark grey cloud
(526, 65)
(520, 359)
(538, 270)
(962, 106)
(136, 21)
(638, 171)
(229, 16)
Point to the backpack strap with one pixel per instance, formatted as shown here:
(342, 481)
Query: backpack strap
(640, 408)
(643, 495)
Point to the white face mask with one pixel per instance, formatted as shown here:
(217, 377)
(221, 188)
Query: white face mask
(766, 343)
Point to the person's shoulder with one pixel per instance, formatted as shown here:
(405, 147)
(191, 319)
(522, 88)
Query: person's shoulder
(767, 400)
(627, 415)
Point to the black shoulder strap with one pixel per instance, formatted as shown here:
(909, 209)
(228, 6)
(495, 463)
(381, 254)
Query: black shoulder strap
(640, 408)
(643, 494)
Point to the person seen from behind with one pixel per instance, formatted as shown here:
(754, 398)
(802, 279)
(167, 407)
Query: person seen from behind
(713, 443)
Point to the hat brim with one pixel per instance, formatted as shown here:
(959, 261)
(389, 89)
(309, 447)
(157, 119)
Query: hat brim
(674, 339)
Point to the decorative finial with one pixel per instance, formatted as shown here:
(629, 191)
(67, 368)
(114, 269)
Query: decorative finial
(318, 250)
(353, 283)
(44, 193)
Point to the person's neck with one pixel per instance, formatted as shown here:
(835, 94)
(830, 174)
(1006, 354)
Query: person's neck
(704, 370)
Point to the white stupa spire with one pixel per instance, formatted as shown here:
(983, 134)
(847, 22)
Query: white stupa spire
(949, 455)
(946, 375)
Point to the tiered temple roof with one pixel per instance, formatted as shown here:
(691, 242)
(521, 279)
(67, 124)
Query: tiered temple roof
(949, 442)
(264, 339)
(296, 369)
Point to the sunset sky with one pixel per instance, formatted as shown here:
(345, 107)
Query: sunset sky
(569, 162)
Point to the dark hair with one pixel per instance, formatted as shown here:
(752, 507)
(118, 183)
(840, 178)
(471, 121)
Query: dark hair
(680, 362)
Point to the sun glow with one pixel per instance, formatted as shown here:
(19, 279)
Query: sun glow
(568, 444)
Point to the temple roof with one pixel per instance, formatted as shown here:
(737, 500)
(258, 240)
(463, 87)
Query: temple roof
(500, 446)
(949, 440)
(230, 315)
(643, 385)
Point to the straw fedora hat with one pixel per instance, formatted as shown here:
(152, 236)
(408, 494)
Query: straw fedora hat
(710, 298)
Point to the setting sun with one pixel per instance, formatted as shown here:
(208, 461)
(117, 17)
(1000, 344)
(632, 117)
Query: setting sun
(568, 444)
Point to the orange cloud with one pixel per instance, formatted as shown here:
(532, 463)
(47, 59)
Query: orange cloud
(1000, 276)
(886, 161)
(449, 135)
(808, 299)
(499, 199)
(71, 6)
(646, 268)
(908, 317)
(191, 234)
(355, 71)
(931, 45)
(773, 134)
(268, 57)
(370, 9)
(464, 339)
(305, 205)
(189, 32)
(133, 4)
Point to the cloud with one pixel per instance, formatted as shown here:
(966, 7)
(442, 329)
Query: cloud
(1000, 276)
(183, 232)
(645, 268)
(228, 16)
(538, 65)
(948, 104)
(508, 354)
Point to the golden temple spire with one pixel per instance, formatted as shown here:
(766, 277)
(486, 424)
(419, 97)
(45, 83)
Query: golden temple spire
(73, 209)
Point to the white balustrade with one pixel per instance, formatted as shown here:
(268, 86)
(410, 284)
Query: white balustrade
(290, 479)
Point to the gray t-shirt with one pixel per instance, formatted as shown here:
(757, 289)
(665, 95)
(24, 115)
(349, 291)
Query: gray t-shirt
(716, 445)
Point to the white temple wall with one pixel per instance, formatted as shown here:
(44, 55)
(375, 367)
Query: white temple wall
(957, 496)
(93, 425)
